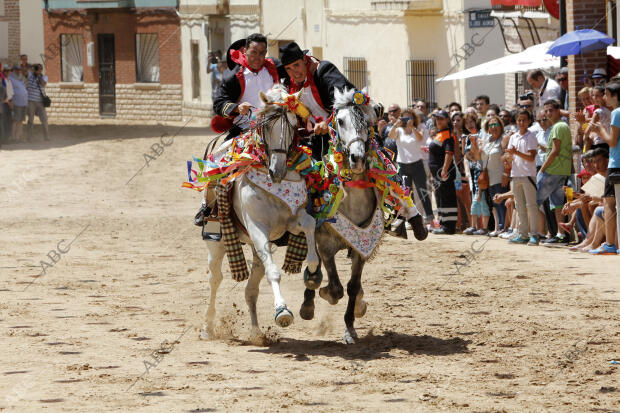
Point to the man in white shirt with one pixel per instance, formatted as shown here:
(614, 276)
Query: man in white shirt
(546, 88)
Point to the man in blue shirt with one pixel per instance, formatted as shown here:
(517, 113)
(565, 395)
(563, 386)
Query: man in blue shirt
(20, 101)
(612, 93)
(36, 83)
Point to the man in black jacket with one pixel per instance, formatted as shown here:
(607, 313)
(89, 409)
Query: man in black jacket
(249, 73)
(318, 79)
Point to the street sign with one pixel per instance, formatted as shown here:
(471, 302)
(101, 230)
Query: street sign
(481, 18)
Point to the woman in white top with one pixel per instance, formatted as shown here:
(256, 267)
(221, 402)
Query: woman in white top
(601, 115)
(408, 133)
(490, 154)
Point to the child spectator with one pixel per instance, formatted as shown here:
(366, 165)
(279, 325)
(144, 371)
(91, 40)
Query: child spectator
(522, 147)
(612, 93)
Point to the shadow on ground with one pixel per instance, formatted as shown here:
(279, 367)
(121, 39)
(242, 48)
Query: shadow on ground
(370, 347)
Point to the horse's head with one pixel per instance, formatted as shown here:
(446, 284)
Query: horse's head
(353, 117)
(278, 123)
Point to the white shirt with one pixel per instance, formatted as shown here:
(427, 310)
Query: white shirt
(409, 148)
(604, 118)
(552, 91)
(307, 98)
(254, 83)
(524, 144)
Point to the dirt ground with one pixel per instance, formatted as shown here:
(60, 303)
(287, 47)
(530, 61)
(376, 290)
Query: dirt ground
(104, 287)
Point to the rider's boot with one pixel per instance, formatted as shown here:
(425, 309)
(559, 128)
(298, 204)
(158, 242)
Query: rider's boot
(419, 229)
(204, 212)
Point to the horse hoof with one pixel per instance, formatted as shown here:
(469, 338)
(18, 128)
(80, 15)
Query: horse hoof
(307, 311)
(312, 281)
(284, 317)
(324, 293)
(360, 308)
(349, 337)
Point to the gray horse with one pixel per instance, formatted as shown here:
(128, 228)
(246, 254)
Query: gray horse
(358, 206)
(265, 217)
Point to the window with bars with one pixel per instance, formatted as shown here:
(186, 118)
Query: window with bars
(71, 57)
(147, 58)
(355, 71)
(421, 81)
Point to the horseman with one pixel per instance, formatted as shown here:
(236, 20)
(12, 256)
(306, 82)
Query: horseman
(249, 73)
(317, 78)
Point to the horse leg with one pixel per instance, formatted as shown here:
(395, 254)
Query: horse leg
(307, 307)
(333, 291)
(251, 291)
(216, 255)
(312, 274)
(283, 316)
(354, 287)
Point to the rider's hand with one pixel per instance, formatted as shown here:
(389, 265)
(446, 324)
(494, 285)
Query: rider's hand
(321, 128)
(244, 108)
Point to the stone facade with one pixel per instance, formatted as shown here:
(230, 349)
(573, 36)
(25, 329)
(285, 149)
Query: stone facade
(137, 102)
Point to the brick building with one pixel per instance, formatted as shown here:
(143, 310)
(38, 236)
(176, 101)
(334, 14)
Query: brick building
(15, 15)
(118, 59)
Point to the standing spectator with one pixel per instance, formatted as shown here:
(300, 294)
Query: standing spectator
(562, 78)
(546, 88)
(599, 77)
(522, 147)
(423, 107)
(463, 197)
(454, 107)
(543, 144)
(482, 106)
(20, 101)
(213, 68)
(7, 106)
(409, 137)
(612, 92)
(479, 206)
(23, 62)
(491, 155)
(601, 115)
(36, 83)
(508, 121)
(441, 154)
(556, 168)
(393, 116)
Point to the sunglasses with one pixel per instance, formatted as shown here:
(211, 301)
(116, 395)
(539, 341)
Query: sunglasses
(562, 79)
(494, 125)
(525, 106)
(393, 111)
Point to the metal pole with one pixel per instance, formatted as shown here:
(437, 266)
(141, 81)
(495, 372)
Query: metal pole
(563, 59)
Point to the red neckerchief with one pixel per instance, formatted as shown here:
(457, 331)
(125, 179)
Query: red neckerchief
(294, 87)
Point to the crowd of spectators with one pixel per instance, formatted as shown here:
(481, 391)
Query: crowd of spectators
(22, 88)
(516, 172)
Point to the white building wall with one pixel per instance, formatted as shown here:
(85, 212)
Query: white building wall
(31, 33)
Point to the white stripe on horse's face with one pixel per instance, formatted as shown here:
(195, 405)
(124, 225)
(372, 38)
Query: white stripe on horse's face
(278, 134)
(353, 133)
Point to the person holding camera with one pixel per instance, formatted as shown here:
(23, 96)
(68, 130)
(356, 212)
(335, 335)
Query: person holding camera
(409, 135)
(36, 83)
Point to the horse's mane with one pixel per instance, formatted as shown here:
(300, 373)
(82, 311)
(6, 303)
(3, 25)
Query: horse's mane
(361, 115)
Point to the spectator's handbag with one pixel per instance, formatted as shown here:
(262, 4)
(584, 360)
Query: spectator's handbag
(47, 102)
(483, 179)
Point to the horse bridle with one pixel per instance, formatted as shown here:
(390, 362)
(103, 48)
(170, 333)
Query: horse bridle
(347, 149)
(284, 122)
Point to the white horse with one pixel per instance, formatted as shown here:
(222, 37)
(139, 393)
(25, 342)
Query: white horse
(265, 218)
(358, 205)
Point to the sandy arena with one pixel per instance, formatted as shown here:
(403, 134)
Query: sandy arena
(112, 323)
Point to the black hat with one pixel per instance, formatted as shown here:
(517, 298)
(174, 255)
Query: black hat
(235, 46)
(290, 53)
(599, 73)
